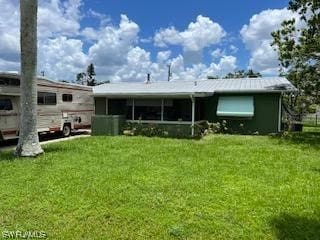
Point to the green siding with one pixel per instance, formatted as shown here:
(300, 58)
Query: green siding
(107, 125)
(264, 121)
(100, 106)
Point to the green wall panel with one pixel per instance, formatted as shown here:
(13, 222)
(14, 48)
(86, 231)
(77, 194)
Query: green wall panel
(264, 121)
(107, 125)
(100, 105)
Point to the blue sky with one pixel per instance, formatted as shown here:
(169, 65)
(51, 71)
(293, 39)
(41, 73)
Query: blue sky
(153, 15)
(127, 39)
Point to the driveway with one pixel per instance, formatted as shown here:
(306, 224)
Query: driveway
(46, 138)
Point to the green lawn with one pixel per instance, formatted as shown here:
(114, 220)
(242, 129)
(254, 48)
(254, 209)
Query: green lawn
(221, 187)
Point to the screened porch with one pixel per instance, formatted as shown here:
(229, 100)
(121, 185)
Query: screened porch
(167, 111)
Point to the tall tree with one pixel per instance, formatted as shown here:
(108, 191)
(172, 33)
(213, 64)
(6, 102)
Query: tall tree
(88, 77)
(91, 81)
(298, 48)
(28, 145)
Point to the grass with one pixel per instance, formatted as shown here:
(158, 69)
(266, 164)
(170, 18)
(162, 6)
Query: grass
(221, 187)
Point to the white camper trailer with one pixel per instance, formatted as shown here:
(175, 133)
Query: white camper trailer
(62, 107)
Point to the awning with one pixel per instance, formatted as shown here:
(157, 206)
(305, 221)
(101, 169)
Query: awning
(235, 106)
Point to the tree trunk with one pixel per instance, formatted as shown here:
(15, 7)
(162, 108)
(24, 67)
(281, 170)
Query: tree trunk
(28, 145)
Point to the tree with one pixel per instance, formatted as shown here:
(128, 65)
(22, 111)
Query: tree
(28, 145)
(88, 77)
(80, 78)
(251, 74)
(298, 48)
(91, 81)
(210, 77)
(243, 74)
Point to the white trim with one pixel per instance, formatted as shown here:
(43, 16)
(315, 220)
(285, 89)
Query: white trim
(193, 115)
(162, 109)
(164, 122)
(132, 109)
(107, 106)
(280, 113)
(137, 95)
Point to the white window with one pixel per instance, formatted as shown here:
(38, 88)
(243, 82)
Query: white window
(235, 106)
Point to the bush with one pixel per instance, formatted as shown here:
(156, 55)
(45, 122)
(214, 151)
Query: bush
(151, 130)
(312, 108)
(224, 128)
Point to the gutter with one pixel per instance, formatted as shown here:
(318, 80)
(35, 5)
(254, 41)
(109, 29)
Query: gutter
(152, 95)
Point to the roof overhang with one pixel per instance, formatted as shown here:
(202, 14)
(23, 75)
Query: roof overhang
(152, 95)
(251, 91)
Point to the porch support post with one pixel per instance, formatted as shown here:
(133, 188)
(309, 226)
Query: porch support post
(193, 115)
(280, 113)
(107, 106)
(162, 109)
(132, 109)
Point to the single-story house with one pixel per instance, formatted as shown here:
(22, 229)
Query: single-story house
(250, 103)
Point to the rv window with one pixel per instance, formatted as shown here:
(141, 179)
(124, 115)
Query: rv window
(9, 81)
(67, 97)
(45, 98)
(5, 104)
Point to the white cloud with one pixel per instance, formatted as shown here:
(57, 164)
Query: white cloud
(9, 31)
(257, 38)
(163, 56)
(217, 53)
(225, 65)
(137, 66)
(146, 40)
(55, 19)
(61, 58)
(199, 35)
(103, 18)
(233, 49)
(112, 48)
(200, 71)
(58, 18)
(168, 36)
(114, 43)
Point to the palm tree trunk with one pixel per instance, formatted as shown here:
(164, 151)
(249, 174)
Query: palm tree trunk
(28, 145)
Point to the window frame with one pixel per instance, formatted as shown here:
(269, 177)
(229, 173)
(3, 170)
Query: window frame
(11, 104)
(9, 82)
(45, 97)
(235, 114)
(68, 95)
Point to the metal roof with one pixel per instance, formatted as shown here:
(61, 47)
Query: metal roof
(40, 78)
(198, 88)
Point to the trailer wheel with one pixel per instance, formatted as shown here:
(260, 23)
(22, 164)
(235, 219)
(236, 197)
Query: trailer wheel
(66, 131)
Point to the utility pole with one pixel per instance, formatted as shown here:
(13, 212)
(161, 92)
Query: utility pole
(169, 72)
(148, 78)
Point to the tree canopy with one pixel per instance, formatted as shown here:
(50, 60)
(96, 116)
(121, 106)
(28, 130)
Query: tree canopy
(297, 43)
(87, 77)
(243, 74)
